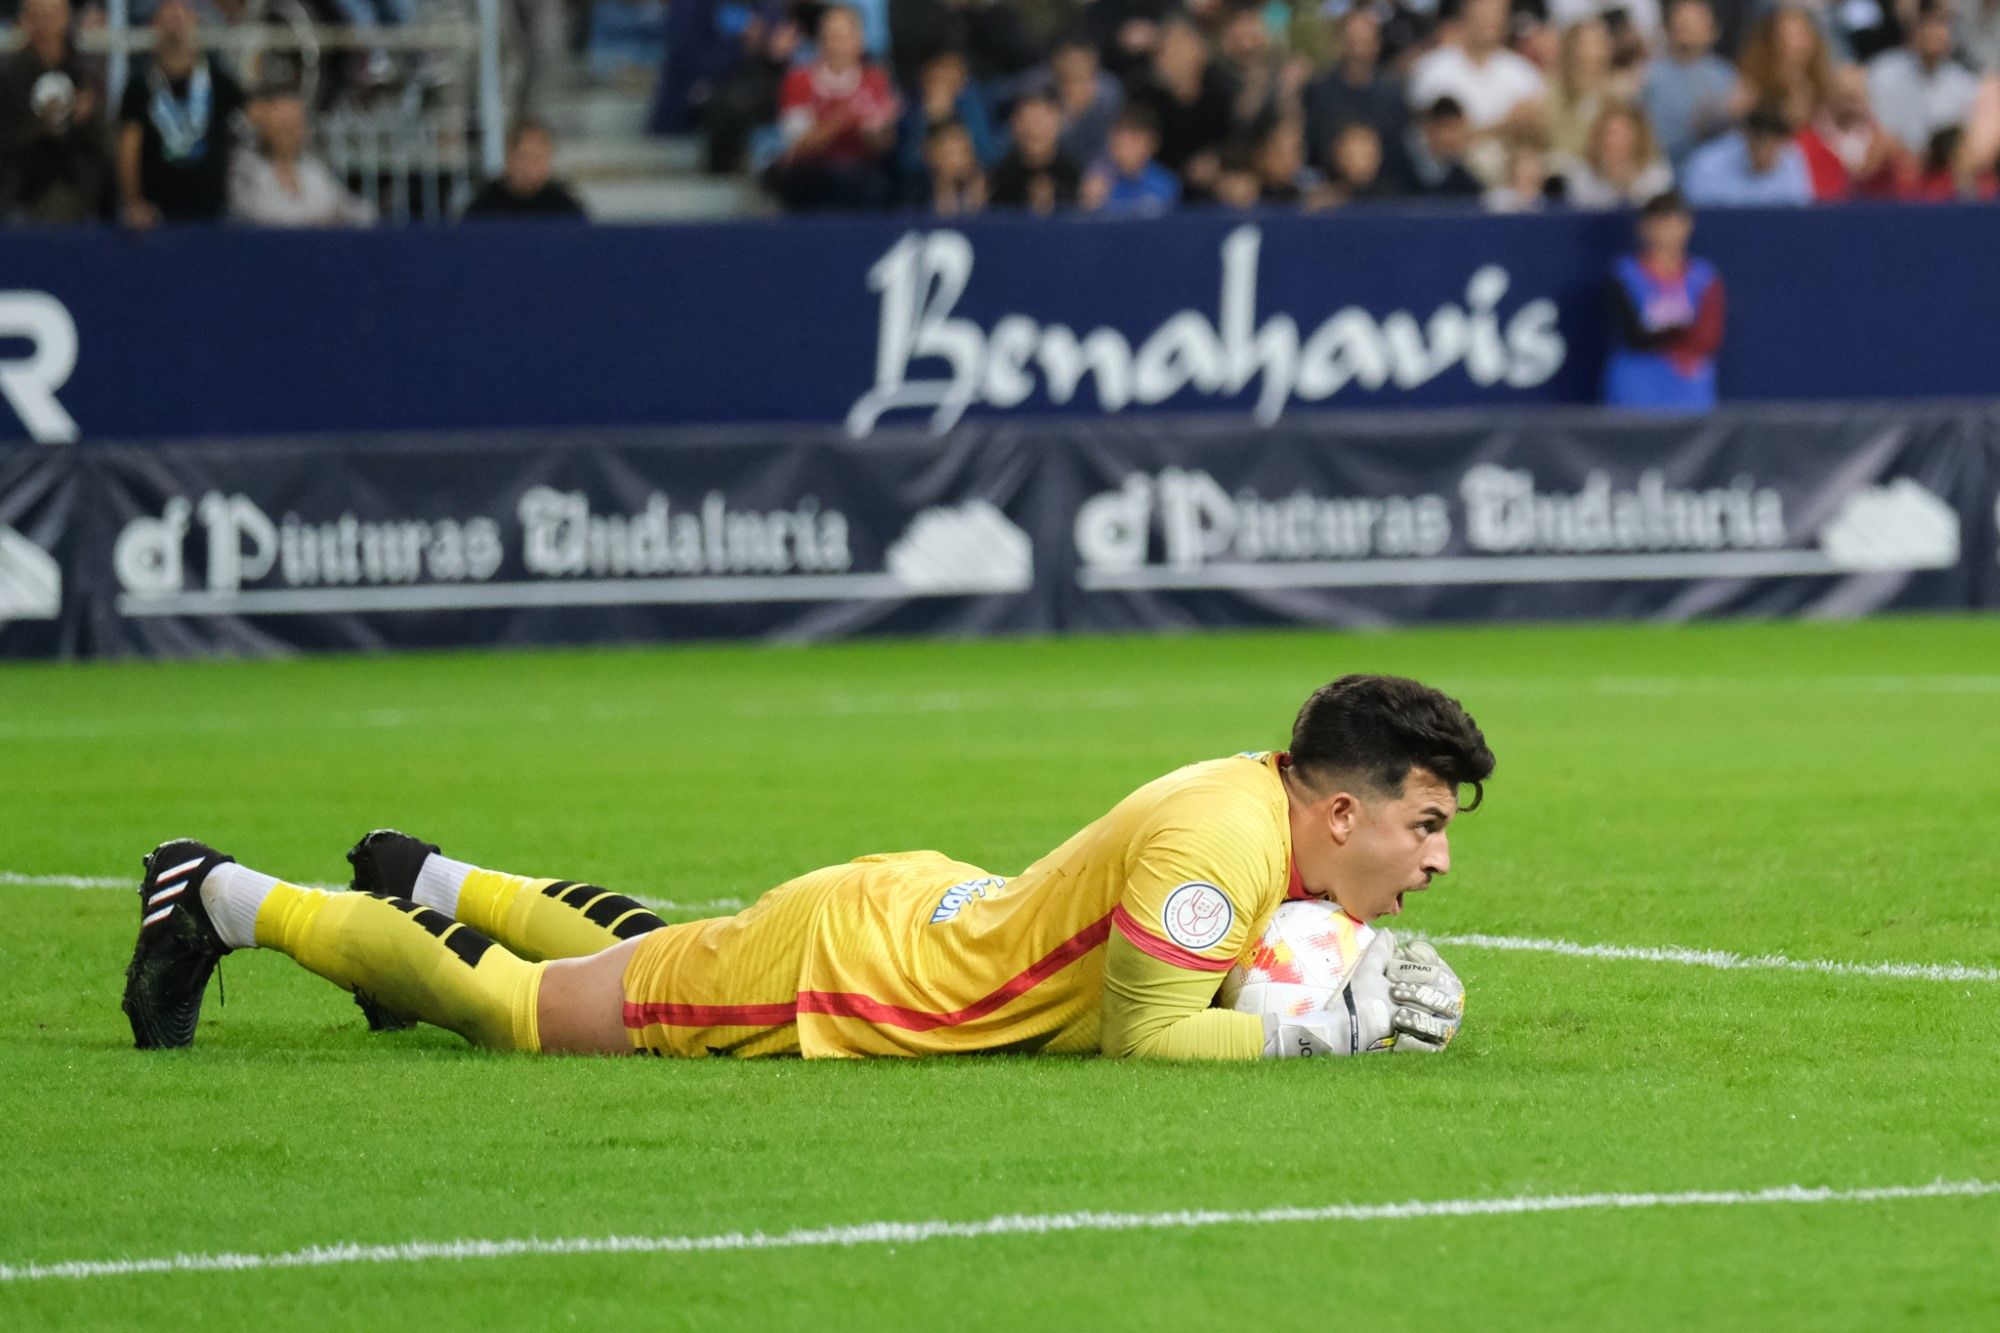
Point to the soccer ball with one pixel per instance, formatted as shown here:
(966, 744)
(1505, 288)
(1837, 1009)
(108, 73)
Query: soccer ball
(1300, 964)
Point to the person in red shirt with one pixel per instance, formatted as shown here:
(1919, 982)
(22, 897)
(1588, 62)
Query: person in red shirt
(838, 116)
(1848, 153)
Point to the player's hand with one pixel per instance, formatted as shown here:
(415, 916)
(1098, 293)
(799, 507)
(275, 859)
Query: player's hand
(1429, 998)
(1420, 980)
(1377, 1014)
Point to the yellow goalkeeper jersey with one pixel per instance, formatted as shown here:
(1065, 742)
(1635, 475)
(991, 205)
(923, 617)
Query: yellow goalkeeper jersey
(1116, 941)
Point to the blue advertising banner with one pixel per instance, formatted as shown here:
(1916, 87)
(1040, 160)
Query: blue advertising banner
(876, 323)
(366, 542)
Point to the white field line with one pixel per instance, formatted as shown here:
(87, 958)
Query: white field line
(1721, 959)
(1725, 960)
(12, 880)
(1011, 1224)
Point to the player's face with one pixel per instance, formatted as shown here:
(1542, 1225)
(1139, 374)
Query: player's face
(1394, 845)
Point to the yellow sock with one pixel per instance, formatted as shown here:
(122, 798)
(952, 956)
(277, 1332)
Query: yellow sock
(410, 959)
(549, 918)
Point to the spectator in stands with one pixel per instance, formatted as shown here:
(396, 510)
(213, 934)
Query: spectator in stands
(1127, 179)
(1955, 166)
(1355, 172)
(1284, 176)
(1621, 167)
(956, 184)
(54, 164)
(1633, 25)
(1192, 102)
(276, 183)
(1585, 83)
(1758, 164)
(745, 95)
(838, 117)
(944, 94)
(1036, 174)
(1690, 93)
(1090, 99)
(1786, 63)
(1524, 186)
(1267, 81)
(992, 34)
(1848, 153)
(1919, 88)
(1236, 182)
(1667, 318)
(1127, 32)
(1355, 88)
(177, 128)
(1431, 164)
(1496, 88)
(527, 188)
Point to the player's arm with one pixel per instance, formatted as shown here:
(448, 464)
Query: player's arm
(1184, 919)
(1156, 1009)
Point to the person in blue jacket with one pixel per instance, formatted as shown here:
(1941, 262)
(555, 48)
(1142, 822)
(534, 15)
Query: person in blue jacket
(1667, 317)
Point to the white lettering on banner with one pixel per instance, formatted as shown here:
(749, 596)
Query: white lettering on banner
(565, 539)
(922, 277)
(1200, 523)
(29, 383)
(30, 580)
(575, 557)
(1504, 513)
(1514, 533)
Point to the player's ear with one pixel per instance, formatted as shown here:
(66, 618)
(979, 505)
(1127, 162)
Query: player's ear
(1342, 811)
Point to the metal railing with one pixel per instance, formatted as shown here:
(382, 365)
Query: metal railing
(418, 152)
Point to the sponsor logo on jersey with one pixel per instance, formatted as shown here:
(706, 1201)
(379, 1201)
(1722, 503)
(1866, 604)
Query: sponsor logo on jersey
(958, 895)
(1197, 915)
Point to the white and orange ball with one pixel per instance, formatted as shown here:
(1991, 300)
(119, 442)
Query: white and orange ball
(1300, 964)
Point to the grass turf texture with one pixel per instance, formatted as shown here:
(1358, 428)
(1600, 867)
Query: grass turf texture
(1819, 790)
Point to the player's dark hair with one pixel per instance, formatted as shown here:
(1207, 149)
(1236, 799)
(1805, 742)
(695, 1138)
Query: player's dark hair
(1376, 729)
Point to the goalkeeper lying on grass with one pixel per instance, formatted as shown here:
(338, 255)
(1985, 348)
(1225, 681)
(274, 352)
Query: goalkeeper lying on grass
(1115, 942)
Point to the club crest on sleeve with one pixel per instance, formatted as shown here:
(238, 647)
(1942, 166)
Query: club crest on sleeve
(1197, 915)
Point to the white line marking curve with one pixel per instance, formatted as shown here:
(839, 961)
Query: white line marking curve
(1724, 960)
(1012, 1224)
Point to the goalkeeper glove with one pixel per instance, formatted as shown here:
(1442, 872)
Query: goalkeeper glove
(1377, 1013)
(1420, 979)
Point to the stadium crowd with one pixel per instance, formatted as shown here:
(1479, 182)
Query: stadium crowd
(187, 142)
(1133, 106)
(955, 106)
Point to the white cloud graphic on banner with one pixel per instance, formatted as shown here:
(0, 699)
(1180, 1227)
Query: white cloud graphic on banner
(1895, 527)
(971, 547)
(30, 579)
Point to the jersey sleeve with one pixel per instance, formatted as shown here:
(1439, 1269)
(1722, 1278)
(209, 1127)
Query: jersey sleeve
(1160, 1011)
(1201, 877)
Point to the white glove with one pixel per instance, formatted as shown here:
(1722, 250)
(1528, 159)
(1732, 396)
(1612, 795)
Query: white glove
(1378, 1013)
(1421, 980)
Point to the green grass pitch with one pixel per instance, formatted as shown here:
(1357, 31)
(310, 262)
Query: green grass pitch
(1820, 791)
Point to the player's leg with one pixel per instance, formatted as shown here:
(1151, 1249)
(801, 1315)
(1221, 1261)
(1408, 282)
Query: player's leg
(197, 904)
(535, 918)
(730, 985)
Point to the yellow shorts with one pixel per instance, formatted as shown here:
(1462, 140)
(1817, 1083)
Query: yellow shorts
(728, 986)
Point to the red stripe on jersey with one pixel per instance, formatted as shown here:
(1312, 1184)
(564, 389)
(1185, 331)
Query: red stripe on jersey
(709, 1015)
(847, 1004)
(1165, 950)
